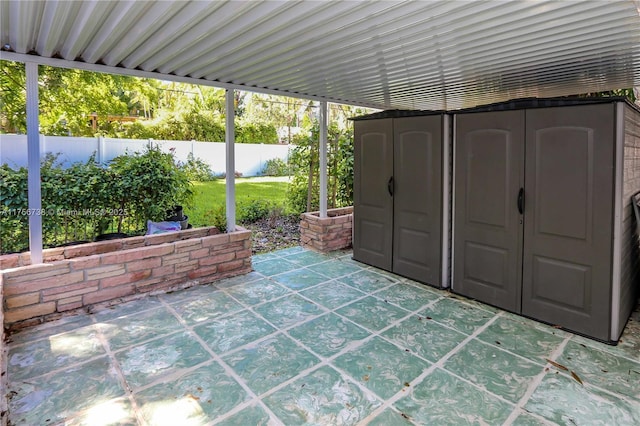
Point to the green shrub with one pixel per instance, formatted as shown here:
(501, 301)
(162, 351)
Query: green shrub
(275, 167)
(197, 170)
(253, 211)
(217, 217)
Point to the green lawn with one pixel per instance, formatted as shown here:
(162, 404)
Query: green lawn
(208, 195)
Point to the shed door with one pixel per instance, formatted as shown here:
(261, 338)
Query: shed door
(568, 224)
(418, 198)
(372, 202)
(489, 159)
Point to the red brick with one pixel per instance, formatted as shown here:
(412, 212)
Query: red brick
(71, 293)
(69, 306)
(197, 254)
(127, 278)
(81, 263)
(239, 236)
(173, 259)
(218, 258)
(29, 312)
(108, 294)
(149, 285)
(92, 248)
(186, 266)
(156, 239)
(229, 266)
(138, 253)
(138, 265)
(22, 300)
(133, 243)
(105, 272)
(215, 240)
(202, 272)
(163, 271)
(11, 289)
(194, 233)
(243, 253)
(70, 287)
(188, 245)
(9, 261)
(35, 272)
(229, 247)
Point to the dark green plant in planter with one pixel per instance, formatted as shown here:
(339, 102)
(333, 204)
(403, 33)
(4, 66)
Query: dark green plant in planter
(148, 184)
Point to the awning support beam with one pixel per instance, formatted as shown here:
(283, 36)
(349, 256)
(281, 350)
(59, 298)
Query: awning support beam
(323, 158)
(33, 156)
(230, 137)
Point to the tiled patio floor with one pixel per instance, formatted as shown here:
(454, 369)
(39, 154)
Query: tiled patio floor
(314, 339)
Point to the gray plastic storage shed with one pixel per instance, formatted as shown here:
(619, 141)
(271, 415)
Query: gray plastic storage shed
(400, 209)
(543, 222)
(540, 221)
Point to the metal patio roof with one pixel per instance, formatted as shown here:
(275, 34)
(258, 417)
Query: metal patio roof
(384, 54)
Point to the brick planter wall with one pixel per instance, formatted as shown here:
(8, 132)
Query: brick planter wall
(327, 234)
(110, 272)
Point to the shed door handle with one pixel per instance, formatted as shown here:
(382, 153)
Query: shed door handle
(521, 201)
(390, 186)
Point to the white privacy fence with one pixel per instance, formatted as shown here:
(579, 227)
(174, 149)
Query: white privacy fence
(250, 158)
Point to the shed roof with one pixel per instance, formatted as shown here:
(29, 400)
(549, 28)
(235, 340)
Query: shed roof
(431, 55)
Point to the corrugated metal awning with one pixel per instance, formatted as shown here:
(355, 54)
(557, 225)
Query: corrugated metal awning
(390, 54)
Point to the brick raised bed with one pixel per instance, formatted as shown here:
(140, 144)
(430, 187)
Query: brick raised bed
(111, 272)
(329, 233)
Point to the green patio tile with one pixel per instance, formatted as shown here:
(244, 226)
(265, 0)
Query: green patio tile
(263, 257)
(112, 412)
(526, 419)
(51, 399)
(123, 332)
(256, 292)
(58, 351)
(425, 338)
(324, 397)
(300, 278)
(389, 418)
(458, 315)
(198, 397)
(307, 258)
(332, 294)
(381, 367)
(628, 346)
(239, 280)
(500, 372)
(48, 329)
(274, 266)
(289, 251)
(128, 308)
(253, 415)
(288, 310)
(335, 268)
(141, 365)
(328, 334)
(603, 369)
(563, 400)
(521, 338)
(206, 307)
(233, 331)
(191, 293)
(270, 362)
(407, 296)
(367, 281)
(372, 313)
(442, 399)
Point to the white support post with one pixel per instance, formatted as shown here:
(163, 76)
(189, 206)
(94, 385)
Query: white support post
(230, 137)
(323, 158)
(33, 156)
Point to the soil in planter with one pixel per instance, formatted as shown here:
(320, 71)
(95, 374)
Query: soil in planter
(274, 233)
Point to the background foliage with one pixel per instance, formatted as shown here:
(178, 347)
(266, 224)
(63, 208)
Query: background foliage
(87, 199)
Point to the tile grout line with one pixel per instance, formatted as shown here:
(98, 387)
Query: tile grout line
(519, 406)
(121, 377)
(229, 371)
(438, 364)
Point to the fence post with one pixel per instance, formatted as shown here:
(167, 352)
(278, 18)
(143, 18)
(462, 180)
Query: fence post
(100, 154)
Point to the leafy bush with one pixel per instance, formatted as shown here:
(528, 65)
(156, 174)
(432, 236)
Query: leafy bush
(197, 170)
(254, 210)
(275, 167)
(256, 133)
(85, 199)
(217, 217)
(304, 190)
